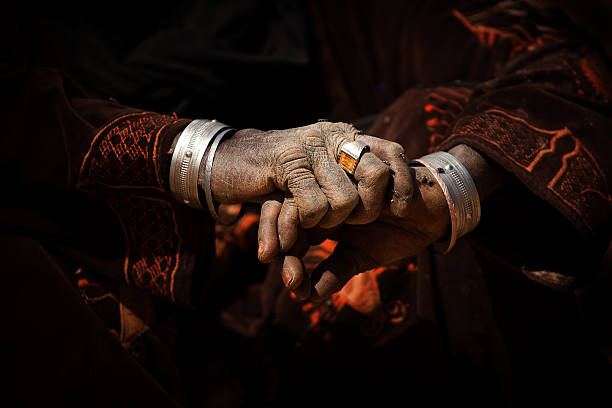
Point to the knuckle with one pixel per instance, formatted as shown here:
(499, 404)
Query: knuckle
(297, 179)
(312, 139)
(401, 210)
(379, 174)
(393, 148)
(409, 191)
(291, 166)
(347, 200)
(312, 210)
(397, 147)
(337, 133)
(288, 215)
(269, 206)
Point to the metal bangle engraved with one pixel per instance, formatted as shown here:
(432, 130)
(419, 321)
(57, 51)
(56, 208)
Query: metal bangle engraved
(208, 172)
(459, 190)
(187, 157)
(350, 153)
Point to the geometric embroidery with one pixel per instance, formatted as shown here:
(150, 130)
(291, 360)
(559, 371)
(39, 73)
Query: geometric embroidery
(443, 105)
(122, 168)
(122, 153)
(153, 242)
(578, 181)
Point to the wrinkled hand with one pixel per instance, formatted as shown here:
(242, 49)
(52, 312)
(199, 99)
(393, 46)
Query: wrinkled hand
(295, 175)
(362, 247)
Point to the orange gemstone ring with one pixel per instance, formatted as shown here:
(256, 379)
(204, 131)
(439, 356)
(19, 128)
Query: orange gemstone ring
(350, 153)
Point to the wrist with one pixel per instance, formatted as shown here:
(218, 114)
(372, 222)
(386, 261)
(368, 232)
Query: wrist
(240, 172)
(460, 193)
(428, 203)
(218, 176)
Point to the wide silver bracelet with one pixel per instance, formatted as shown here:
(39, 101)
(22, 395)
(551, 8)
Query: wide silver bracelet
(187, 158)
(459, 190)
(208, 172)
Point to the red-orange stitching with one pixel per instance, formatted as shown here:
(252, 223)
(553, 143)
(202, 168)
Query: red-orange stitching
(594, 79)
(486, 35)
(607, 197)
(564, 159)
(523, 31)
(443, 99)
(85, 161)
(434, 136)
(156, 153)
(454, 92)
(125, 151)
(434, 122)
(553, 142)
(529, 168)
(131, 142)
(141, 267)
(587, 163)
(433, 108)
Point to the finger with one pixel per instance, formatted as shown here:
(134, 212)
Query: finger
(307, 195)
(335, 271)
(401, 185)
(295, 277)
(303, 291)
(372, 177)
(293, 272)
(267, 235)
(340, 191)
(288, 224)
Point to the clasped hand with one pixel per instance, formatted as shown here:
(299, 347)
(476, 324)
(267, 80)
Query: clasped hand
(378, 215)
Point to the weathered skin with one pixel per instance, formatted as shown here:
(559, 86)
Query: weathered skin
(294, 174)
(388, 239)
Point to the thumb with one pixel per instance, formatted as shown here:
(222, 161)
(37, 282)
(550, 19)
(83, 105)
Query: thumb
(335, 271)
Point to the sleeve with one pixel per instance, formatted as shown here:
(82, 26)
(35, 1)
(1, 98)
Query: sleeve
(535, 98)
(90, 179)
(544, 116)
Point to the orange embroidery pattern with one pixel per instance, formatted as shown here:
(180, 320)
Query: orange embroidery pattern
(442, 107)
(574, 183)
(516, 36)
(598, 77)
(124, 153)
(122, 168)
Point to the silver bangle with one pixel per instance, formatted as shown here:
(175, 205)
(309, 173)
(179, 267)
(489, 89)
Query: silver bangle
(187, 158)
(459, 190)
(208, 173)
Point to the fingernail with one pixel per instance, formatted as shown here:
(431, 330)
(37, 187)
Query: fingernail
(286, 279)
(260, 249)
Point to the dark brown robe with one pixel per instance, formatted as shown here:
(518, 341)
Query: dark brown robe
(117, 295)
